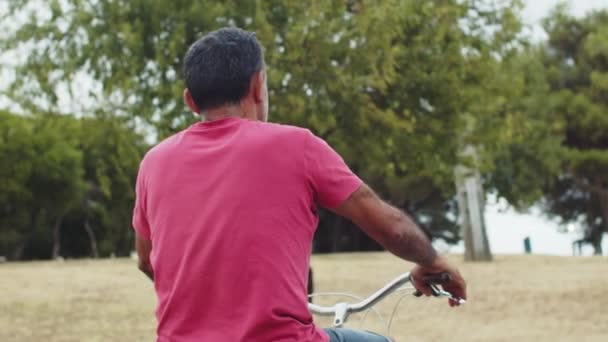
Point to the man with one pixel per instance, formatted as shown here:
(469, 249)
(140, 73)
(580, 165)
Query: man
(226, 210)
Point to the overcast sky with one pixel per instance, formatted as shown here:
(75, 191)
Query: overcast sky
(536, 10)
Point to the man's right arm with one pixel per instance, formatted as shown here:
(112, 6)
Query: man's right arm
(388, 225)
(337, 188)
(396, 232)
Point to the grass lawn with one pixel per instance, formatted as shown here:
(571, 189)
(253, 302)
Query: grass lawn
(514, 298)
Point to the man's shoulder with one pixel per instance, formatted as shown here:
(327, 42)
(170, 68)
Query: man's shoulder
(284, 130)
(162, 148)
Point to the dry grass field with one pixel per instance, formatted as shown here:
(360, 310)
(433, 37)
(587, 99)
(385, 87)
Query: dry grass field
(515, 298)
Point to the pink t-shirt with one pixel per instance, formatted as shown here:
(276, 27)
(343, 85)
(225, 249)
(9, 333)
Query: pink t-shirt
(231, 208)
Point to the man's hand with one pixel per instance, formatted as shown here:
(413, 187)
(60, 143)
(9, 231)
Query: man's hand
(455, 285)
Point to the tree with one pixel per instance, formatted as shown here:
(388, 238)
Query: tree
(16, 155)
(553, 149)
(43, 168)
(392, 85)
(576, 63)
(527, 149)
(62, 174)
(112, 153)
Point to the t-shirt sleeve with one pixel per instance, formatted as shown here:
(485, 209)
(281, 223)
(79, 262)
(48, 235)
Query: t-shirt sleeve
(329, 177)
(140, 220)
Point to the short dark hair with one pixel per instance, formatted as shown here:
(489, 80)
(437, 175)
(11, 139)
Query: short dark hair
(218, 67)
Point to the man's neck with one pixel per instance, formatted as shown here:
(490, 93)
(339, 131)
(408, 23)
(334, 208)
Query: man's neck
(223, 112)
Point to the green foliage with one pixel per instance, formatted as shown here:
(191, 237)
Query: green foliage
(41, 172)
(576, 63)
(398, 87)
(554, 146)
(57, 170)
(16, 160)
(527, 140)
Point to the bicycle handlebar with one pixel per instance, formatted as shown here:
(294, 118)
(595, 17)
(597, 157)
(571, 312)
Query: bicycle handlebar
(341, 311)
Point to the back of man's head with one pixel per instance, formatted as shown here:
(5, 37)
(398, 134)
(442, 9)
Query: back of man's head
(218, 67)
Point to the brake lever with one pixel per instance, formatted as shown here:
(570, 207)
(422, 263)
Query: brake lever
(437, 291)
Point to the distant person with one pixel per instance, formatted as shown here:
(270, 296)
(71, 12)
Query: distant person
(226, 210)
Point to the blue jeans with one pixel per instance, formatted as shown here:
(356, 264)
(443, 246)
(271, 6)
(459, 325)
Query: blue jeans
(348, 335)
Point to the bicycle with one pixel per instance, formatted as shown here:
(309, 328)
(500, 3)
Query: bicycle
(342, 310)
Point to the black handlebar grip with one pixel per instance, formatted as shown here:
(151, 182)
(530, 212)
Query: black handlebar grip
(434, 279)
(437, 279)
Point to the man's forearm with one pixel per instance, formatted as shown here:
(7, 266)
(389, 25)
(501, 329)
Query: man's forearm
(408, 241)
(402, 237)
(388, 225)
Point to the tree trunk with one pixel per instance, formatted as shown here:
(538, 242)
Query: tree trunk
(91, 234)
(471, 206)
(597, 236)
(18, 253)
(596, 240)
(57, 238)
(336, 236)
(357, 240)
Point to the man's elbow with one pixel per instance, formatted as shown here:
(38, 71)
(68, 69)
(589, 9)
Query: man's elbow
(144, 266)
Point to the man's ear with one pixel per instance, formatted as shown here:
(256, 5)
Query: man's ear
(257, 86)
(190, 101)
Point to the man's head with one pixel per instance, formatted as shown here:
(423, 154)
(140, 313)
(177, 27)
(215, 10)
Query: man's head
(224, 73)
